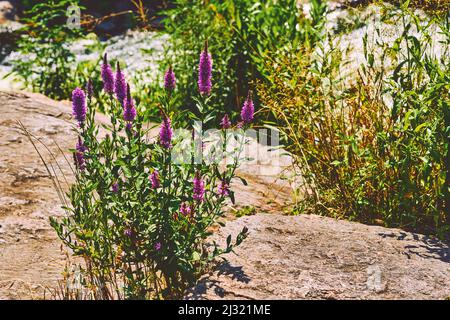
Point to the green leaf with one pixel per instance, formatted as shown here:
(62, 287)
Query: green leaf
(196, 256)
(420, 127)
(244, 182)
(233, 200)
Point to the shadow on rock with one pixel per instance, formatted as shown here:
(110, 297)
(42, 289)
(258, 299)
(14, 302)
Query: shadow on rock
(236, 273)
(424, 246)
(199, 292)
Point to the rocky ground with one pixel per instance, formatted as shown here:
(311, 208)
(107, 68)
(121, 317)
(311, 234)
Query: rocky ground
(287, 257)
(30, 257)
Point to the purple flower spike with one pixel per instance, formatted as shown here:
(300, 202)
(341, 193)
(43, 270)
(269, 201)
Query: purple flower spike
(129, 112)
(185, 209)
(120, 85)
(79, 155)
(205, 71)
(80, 146)
(223, 189)
(169, 80)
(158, 246)
(79, 161)
(115, 187)
(107, 76)
(154, 178)
(165, 133)
(248, 110)
(199, 187)
(128, 233)
(79, 105)
(90, 89)
(225, 123)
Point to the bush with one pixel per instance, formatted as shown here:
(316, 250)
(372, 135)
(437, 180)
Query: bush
(138, 218)
(377, 149)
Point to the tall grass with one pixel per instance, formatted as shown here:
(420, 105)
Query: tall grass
(376, 150)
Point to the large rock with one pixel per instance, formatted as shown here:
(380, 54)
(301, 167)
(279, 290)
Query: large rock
(313, 257)
(31, 261)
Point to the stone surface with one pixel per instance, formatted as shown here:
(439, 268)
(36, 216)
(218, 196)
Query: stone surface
(31, 260)
(313, 257)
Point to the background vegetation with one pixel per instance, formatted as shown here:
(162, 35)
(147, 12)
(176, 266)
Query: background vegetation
(240, 34)
(377, 150)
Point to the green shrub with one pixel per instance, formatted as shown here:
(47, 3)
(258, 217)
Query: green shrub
(137, 216)
(377, 149)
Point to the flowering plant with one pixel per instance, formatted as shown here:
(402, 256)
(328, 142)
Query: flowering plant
(139, 219)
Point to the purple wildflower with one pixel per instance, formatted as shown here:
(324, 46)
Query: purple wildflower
(79, 105)
(154, 178)
(205, 71)
(128, 232)
(107, 76)
(223, 189)
(157, 246)
(165, 133)
(129, 112)
(225, 123)
(185, 209)
(120, 85)
(80, 145)
(80, 163)
(90, 88)
(199, 187)
(169, 80)
(115, 187)
(248, 109)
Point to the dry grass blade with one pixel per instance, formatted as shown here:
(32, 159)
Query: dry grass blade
(52, 172)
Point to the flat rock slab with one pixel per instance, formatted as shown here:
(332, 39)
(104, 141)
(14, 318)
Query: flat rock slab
(314, 257)
(31, 261)
(31, 258)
